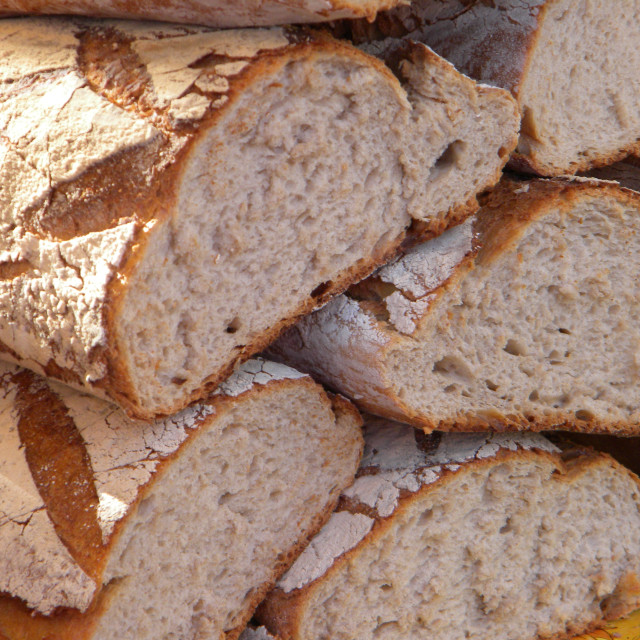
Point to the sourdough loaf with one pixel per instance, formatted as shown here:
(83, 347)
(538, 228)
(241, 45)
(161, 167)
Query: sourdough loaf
(467, 536)
(537, 331)
(571, 65)
(174, 197)
(215, 13)
(113, 529)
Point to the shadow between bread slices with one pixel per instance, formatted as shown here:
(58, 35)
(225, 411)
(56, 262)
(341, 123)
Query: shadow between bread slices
(255, 174)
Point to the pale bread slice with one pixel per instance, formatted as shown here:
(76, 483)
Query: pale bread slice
(537, 331)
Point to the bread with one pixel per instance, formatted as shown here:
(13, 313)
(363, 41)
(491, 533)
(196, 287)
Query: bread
(118, 530)
(467, 536)
(571, 65)
(215, 13)
(172, 198)
(537, 331)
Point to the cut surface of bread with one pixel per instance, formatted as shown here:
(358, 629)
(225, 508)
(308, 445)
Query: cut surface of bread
(467, 537)
(570, 63)
(214, 13)
(114, 529)
(175, 196)
(537, 331)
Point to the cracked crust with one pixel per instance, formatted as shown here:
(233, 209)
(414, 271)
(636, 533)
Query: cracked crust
(350, 343)
(75, 472)
(213, 13)
(399, 472)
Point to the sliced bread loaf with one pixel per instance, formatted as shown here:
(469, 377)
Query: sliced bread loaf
(214, 13)
(537, 331)
(173, 198)
(467, 537)
(571, 65)
(112, 529)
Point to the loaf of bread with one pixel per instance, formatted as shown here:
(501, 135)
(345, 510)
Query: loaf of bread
(571, 65)
(215, 13)
(111, 529)
(173, 198)
(537, 331)
(467, 536)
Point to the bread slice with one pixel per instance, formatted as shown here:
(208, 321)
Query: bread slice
(536, 331)
(571, 65)
(113, 529)
(214, 13)
(172, 198)
(467, 537)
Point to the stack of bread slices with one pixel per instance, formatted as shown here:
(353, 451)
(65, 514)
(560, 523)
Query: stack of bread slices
(207, 218)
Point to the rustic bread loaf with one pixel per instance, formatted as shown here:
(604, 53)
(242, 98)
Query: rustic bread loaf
(113, 529)
(571, 65)
(537, 331)
(174, 197)
(215, 13)
(467, 537)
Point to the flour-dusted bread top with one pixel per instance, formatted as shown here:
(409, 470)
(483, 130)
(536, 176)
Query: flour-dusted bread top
(395, 463)
(152, 169)
(214, 13)
(450, 532)
(576, 87)
(524, 322)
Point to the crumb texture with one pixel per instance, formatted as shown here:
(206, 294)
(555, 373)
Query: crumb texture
(532, 333)
(508, 543)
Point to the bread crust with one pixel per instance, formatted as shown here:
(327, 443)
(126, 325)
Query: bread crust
(61, 464)
(347, 343)
(283, 612)
(213, 13)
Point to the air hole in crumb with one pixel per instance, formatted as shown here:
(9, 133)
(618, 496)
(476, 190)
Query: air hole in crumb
(452, 388)
(224, 498)
(321, 289)
(565, 331)
(534, 396)
(453, 367)
(506, 528)
(585, 414)
(515, 348)
(451, 155)
(178, 381)
(233, 326)
(386, 587)
(425, 516)
(492, 386)
(502, 152)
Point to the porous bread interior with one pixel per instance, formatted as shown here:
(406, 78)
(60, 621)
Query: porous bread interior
(580, 97)
(214, 528)
(512, 551)
(311, 172)
(544, 331)
(298, 182)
